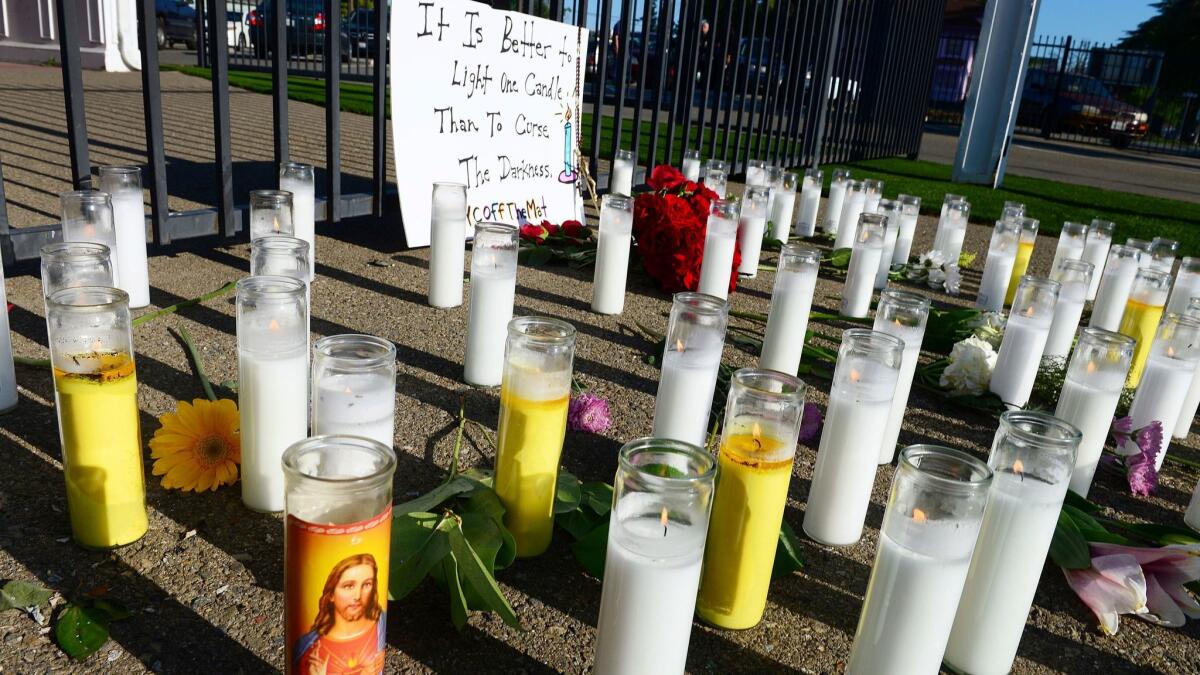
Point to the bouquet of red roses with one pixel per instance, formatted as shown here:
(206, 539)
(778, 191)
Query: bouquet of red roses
(669, 223)
(571, 243)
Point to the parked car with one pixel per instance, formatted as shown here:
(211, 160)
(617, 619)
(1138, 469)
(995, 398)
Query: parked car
(360, 26)
(305, 29)
(176, 21)
(238, 35)
(760, 61)
(1079, 104)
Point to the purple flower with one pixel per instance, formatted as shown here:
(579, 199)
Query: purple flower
(1140, 451)
(810, 424)
(589, 413)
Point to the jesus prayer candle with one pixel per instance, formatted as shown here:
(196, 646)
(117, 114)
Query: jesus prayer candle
(810, 202)
(791, 301)
(622, 173)
(1143, 311)
(691, 165)
(1031, 461)
(1192, 402)
(758, 443)
(838, 184)
(1162, 254)
(1029, 230)
(298, 179)
(925, 544)
(953, 231)
(1116, 282)
(1090, 393)
(87, 216)
(124, 184)
(864, 263)
(784, 207)
(890, 210)
(751, 227)
(910, 208)
(493, 290)
(903, 315)
(997, 268)
(271, 213)
(612, 254)
(720, 242)
(691, 358)
(1024, 340)
(716, 176)
(657, 527)
(1073, 277)
(272, 335)
(69, 264)
(1095, 251)
(354, 387)
(1170, 368)
(1186, 286)
(446, 244)
(860, 401)
(852, 207)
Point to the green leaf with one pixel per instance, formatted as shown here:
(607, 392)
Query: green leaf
(429, 501)
(1068, 548)
(1080, 502)
(482, 476)
(664, 470)
(484, 536)
(566, 494)
(458, 601)
(598, 497)
(840, 258)
(788, 558)
(1161, 534)
(21, 594)
(535, 256)
(483, 502)
(1090, 528)
(109, 610)
(578, 523)
(418, 546)
(472, 570)
(591, 549)
(80, 631)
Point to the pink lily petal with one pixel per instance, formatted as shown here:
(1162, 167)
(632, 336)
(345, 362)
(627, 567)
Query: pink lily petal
(1163, 610)
(1112, 586)
(1184, 598)
(1182, 558)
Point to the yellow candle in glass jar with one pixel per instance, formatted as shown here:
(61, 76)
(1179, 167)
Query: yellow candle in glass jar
(530, 442)
(1140, 322)
(102, 450)
(1020, 266)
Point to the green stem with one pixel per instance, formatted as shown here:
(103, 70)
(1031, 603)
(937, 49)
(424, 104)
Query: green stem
(36, 363)
(1180, 460)
(197, 365)
(487, 433)
(752, 316)
(224, 290)
(458, 439)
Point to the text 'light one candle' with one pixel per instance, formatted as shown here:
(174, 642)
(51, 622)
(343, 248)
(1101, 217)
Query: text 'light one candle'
(1029, 230)
(1073, 277)
(910, 209)
(124, 185)
(758, 443)
(873, 190)
(271, 213)
(925, 544)
(95, 395)
(299, 179)
(1031, 460)
(87, 216)
(838, 184)
(716, 176)
(612, 254)
(860, 401)
(890, 210)
(1143, 312)
(272, 335)
(1090, 393)
(864, 263)
(1186, 286)
(791, 302)
(447, 242)
(1169, 370)
(70, 264)
(810, 203)
(1191, 403)
(752, 224)
(1024, 340)
(997, 268)
(720, 244)
(852, 207)
(691, 359)
(657, 528)
(1095, 251)
(1115, 284)
(903, 315)
(1072, 241)
(623, 165)
(493, 290)
(354, 387)
(534, 398)
(784, 207)
(1162, 253)
(953, 231)
(691, 165)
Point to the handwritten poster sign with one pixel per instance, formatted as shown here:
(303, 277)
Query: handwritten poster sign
(490, 99)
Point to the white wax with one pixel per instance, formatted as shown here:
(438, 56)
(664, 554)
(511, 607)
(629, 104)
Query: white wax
(8, 376)
(756, 176)
(716, 268)
(493, 290)
(1069, 248)
(1067, 311)
(1192, 516)
(950, 237)
(833, 207)
(1089, 406)
(1019, 358)
(612, 261)
(860, 279)
(787, 321)
(871, 202)
(750, 236)
(1163, 264)
(912, 338)
(622, 177)
(1186, 287)
(1095, 251)
(273, 402)
(1161, 395)
(1113, 294)
(781, 214)
(1187, 413)
(810, 201)
(691, 168)
(447, 246)
(904, 238)
(885, 258)
(997, 271)
(717, 185)
(304, 225)
(685, 392)
(1018, 523)
(129, 256)
(852, 208)
(357, 404)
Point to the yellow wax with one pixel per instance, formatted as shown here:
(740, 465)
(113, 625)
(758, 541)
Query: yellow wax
(743, 532)
(1140, 322)
(530, 439)
(102, 452)
(1020, 266)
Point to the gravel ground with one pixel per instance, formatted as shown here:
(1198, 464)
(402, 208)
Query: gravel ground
(212, 602)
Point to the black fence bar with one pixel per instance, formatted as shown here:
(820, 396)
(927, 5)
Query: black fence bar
(218, 56)
(152, 113)
(707, 78)
(690, 98)
(379, 110)
(556, 11)
(827, 84)
(333, 102)
(72, 74)
(739, 159)
(599, 85)
(782, 112)
(6, 256)
(731, 59)
(664, 57)
(202, 54)
(640, 99)
(623, 49)
(279, 81)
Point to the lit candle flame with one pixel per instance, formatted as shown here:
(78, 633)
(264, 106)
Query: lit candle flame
(679, 346)
(919, 516)
(1170, 351)
(275, 225)
(348, 390)
(854, 375)
(756, 431)
(1019, 468)
(1091, 367)
(274, 325)
(663, 520)
(1029, 311)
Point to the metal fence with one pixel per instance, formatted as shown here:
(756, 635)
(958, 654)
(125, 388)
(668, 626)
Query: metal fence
(1080, 91)
(798, 83)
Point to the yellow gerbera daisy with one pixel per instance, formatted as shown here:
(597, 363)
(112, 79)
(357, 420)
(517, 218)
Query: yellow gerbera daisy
(198, 447)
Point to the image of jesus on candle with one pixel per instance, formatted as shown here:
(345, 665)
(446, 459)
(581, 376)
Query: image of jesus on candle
(347, 637)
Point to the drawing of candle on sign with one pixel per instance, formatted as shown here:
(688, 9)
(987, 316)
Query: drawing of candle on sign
(568, 174)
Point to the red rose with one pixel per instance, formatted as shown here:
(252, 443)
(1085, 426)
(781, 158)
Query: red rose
(648, 210)
(666, 177)
(533, 233)
(701, 205)
(574, 229)
(551, 228)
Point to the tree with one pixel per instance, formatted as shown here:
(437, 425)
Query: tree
(1174, 31)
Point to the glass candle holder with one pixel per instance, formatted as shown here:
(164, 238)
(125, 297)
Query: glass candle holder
(810, 203)
(1115, 284)
(299, 179)
(691, 359)
(1143, 245)
(758, 443)
(1024, 340)
(662, 496)
(87, 216)
(1191, 403)
(1090, 393)
(864, 263)
(997, 269)
(784, 206)
(874, 192)
(272, 335)
(1074, 276)
(953, 231)
(612, 254)
(68, 264)
(95, 396)
(354, 387)
(1031, 459)
(910, 208)
(904, 315)
(691, 165)
(493, 289)
(281, 256)
(1071, 243)
(860, 402)
(751, 228)
(1029, 230)
(447, 243)
(791, 302)
(124, 185)
(925, 543)
(773, 181)
(1186, 286)
(717, 272)
(1162, 254)
(947, 200)
(756, 173)
(623, 165)
(853, 205)
(271, 213)
(716, 176)
(1143, 312)
(890, 210)
(839, 182)
(534, 398)
(1169, 369)
(337, 545)
(1016, 208)
(1095, 251)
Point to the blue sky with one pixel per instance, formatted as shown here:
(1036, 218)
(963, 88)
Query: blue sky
(1095, 20)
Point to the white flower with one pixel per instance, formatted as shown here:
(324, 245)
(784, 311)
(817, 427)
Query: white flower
(935, 277)
(989, 327)
(932, 258)
(953, 282)
(971, 363)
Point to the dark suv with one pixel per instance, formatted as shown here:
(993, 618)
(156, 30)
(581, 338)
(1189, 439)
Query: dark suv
(176, 22)
(305, 29)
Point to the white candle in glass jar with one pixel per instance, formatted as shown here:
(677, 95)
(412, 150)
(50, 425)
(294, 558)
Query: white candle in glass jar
(953, 231)
(129, 220)
(1072, 295)
(852, 207)
(447, 244)
(864, 263)
(612, 255)
(791, 302)
(833, 205)
(1089, 406)
(1186, 285)
(1115, 285)
(298, 179)
(1095, 251)
(1161, 394)
(493, 290)
(910, 209)
(873, 191)
(890, 210)
(912, 337)
(782, 209)
(717, 180)
(691, 165)
(686, 388)
(357, 405)
(750, 229)
(810, 202)
(1071, 243)
(1191, 402)
(720, 243)
(997, 269)
(1019, 357)
(622, 173)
